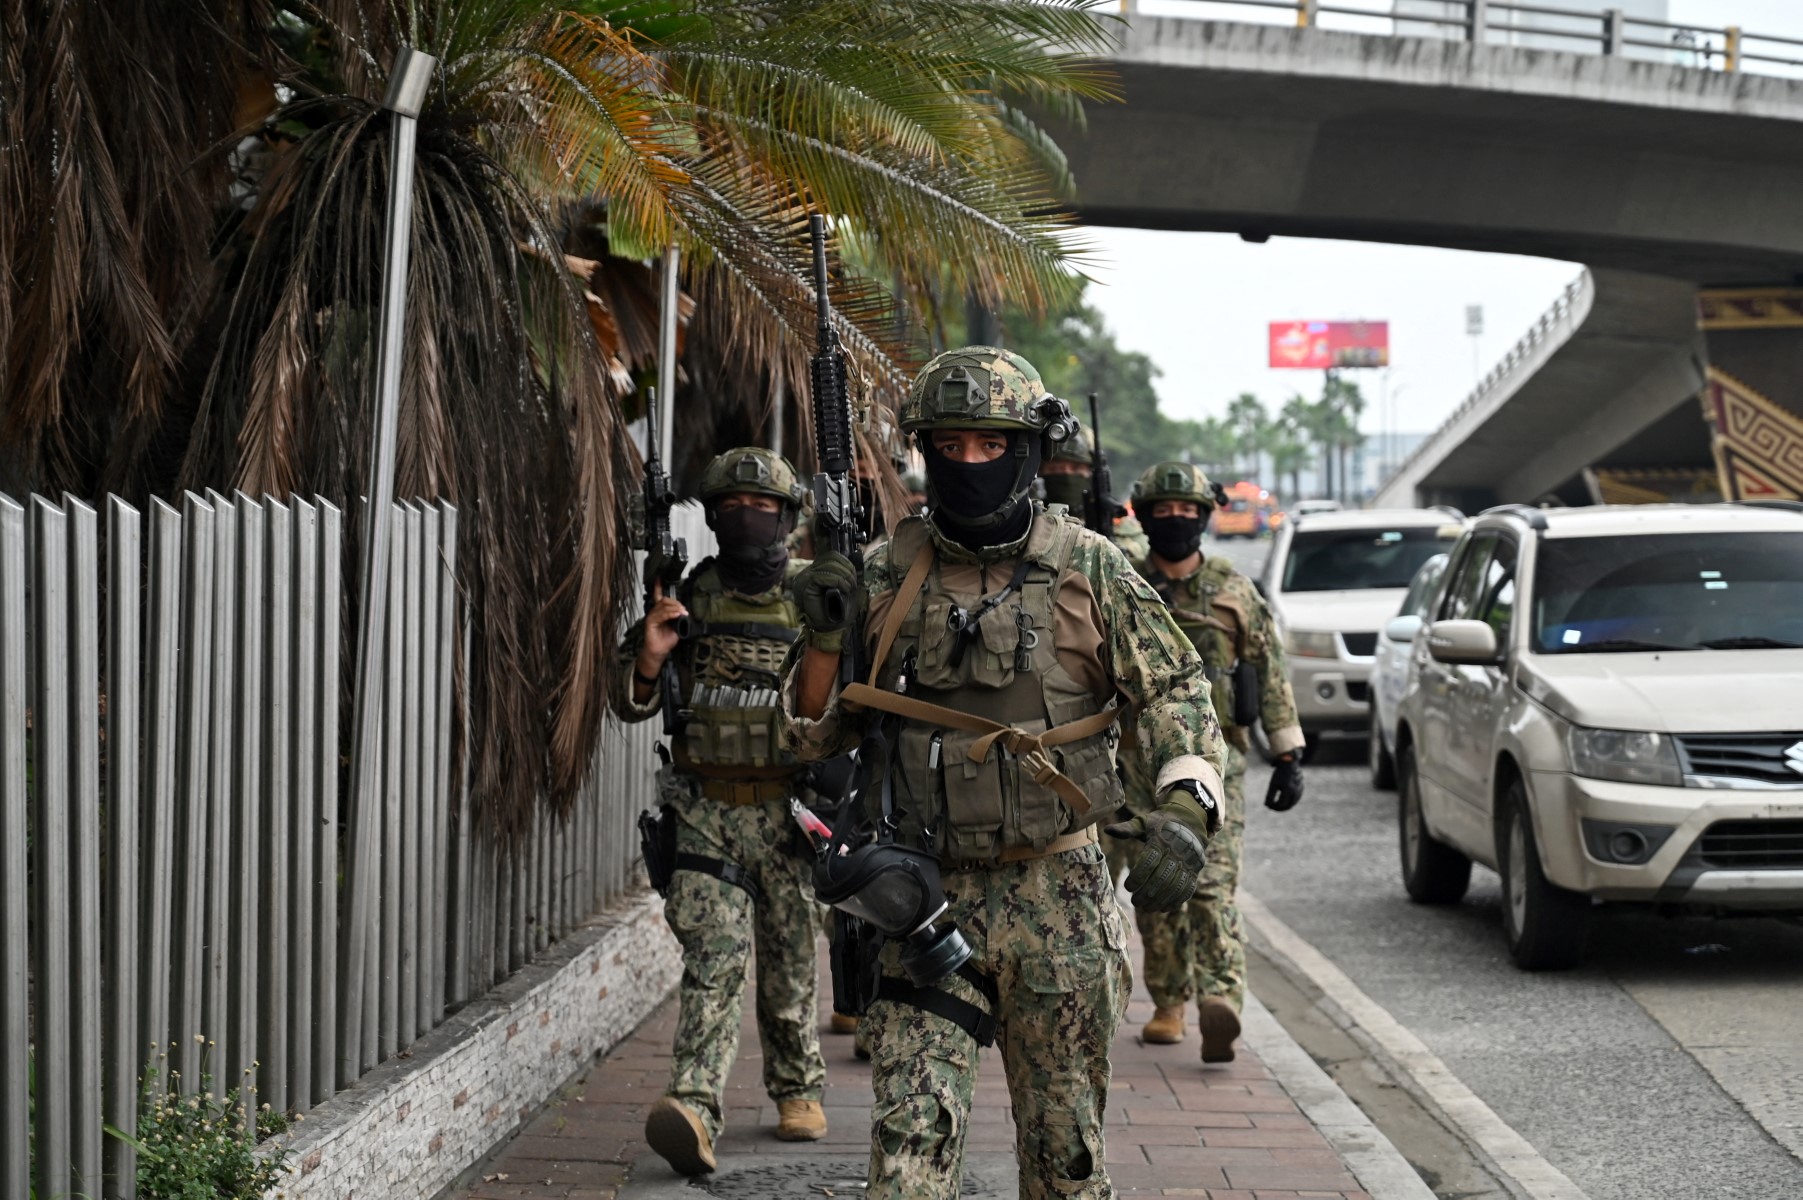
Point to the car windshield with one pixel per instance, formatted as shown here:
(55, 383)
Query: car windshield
(1679, 591)
(1331, 560)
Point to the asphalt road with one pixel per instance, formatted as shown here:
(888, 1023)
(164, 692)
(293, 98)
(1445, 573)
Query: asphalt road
(1669, 1065)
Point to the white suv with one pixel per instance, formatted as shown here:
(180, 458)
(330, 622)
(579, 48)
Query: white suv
(1333, 579)
(1608, 705)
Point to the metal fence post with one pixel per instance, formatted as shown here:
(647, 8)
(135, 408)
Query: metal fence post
(407, 82)
(15, 1001)
(1480, 18)
(124, 1050)
(1731, 48)
(50, 915)
(1612, 31)
(86, 1090)
(1307, 14)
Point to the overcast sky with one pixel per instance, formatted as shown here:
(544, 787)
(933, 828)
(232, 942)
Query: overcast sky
(1198, 303)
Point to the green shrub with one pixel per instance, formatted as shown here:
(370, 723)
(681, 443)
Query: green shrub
(203, 1146)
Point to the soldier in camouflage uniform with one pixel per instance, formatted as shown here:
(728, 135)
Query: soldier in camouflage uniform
(1199, 951)
(740, 880)
(1066, 477)
(1000, 645)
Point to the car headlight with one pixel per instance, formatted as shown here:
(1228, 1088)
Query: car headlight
(1306, 644)
(1624, 755)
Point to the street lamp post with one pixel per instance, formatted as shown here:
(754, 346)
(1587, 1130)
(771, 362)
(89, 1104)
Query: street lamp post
(407, 83)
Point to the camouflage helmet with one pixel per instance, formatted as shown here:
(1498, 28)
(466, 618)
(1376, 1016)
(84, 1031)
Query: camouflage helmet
(1076, 448)
(1173, 481)
(984, 387)
(752, 469)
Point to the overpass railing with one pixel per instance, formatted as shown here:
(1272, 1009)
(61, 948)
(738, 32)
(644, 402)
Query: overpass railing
(1610, 32)
(1554, 320)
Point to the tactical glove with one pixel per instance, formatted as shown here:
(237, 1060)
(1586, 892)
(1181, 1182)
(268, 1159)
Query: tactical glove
(827, 593)
(1164, 876)
(1286, 785)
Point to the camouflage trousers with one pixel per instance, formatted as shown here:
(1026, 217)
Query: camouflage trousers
(1049, 933)
(718, 925)
(1199, 950)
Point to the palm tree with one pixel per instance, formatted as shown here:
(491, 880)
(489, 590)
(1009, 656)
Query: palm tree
(1344, 404)
(1251, 427)
(166, 324)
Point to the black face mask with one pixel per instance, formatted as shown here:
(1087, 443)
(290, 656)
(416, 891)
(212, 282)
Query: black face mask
(753, 547)
(983, 504)
(1174, 538)
(1072, 491)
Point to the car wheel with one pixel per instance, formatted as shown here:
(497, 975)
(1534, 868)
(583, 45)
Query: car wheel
(1546, 925)
(1383, 767)
(1432, 871)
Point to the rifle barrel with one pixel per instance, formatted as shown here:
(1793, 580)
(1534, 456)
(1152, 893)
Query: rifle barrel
(817, 235)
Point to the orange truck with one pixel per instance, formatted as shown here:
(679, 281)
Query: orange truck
(1247, 512)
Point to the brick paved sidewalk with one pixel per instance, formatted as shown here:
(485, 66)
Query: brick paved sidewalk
(1175, 1128)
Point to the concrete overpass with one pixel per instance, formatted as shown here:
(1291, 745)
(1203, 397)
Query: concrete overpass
(1659, 177)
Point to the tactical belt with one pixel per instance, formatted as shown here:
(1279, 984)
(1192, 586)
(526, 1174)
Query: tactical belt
(746, 629)
(725, 872)
(978, 1024)
(1086, 836)
(743, 793)
(1030, 748)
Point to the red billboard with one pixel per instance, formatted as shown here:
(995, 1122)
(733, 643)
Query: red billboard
(1323, 345)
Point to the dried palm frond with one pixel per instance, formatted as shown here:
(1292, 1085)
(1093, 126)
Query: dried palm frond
(115, 123)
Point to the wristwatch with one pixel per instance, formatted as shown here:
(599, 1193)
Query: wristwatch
(1209, 805)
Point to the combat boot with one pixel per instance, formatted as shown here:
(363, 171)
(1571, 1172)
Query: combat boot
(1220, 1024)
(844, 1024)
(1166, 1026)
(800, 1121)
(678, 1135)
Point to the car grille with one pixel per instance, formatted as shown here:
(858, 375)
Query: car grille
(1752, 845)
(1360, 645)
(1766, 757)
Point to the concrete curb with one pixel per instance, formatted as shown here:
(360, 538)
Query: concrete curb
(1411, 1063)
(413, 1125)
(1377, 1164)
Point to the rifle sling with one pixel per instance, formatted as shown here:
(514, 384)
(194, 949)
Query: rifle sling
(1030, 747)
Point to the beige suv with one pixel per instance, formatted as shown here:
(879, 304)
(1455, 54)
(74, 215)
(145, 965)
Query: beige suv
(1608, 706)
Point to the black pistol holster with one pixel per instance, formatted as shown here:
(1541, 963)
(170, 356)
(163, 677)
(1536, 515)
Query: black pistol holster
(854, 957)
(1245, 694)
(657, 840)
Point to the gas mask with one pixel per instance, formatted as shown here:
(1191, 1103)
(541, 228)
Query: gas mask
(897, 890)
(893, 888)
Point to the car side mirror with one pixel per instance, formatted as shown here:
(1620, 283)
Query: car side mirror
(1403, 628)
(1470, 642)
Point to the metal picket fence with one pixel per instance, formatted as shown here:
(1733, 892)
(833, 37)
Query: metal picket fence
(172, 819)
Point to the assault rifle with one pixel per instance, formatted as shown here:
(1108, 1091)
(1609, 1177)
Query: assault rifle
(1100, 516)
(838, 517)
(666, 558)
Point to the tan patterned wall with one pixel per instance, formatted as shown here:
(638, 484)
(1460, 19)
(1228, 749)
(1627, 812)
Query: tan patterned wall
(1758, 445)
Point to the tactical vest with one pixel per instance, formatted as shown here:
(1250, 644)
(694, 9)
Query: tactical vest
(1214, 624)
(729, 672)
(990, 788)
